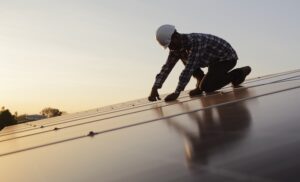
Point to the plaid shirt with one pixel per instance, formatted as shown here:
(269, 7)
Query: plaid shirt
(198, 50)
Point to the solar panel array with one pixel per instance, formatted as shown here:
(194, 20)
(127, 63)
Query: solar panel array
(248, 133)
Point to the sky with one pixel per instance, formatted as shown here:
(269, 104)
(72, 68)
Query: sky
(77, 55)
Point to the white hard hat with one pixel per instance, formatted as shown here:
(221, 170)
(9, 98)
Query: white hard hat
(164, 34)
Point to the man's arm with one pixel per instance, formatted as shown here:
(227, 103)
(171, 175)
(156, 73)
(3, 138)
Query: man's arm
(162, 76)
(166, 69)
(194, 61)
(185, 76)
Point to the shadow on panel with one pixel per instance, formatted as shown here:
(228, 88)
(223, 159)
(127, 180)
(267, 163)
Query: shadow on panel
(212, 130)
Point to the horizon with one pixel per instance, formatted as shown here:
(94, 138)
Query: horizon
(77, 55)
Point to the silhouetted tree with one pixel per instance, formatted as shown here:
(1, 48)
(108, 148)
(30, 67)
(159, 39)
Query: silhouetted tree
(51, 112)
(6, 118)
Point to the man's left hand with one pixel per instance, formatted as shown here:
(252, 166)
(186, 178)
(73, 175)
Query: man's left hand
(172, 97)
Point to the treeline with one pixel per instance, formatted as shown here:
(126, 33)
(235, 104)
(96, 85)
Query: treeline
(7, 119)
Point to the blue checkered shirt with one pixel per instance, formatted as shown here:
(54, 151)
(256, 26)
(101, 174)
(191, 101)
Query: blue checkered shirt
(202, 50)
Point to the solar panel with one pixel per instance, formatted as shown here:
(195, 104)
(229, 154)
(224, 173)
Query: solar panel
(237, 134)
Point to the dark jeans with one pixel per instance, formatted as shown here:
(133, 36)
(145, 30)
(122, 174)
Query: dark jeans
(219, 75)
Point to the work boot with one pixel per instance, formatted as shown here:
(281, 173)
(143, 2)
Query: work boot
(241, 78)
(195, 92)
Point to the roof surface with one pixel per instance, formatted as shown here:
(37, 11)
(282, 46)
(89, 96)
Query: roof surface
(249, 133)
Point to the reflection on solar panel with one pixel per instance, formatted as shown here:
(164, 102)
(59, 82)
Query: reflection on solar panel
(249, 133)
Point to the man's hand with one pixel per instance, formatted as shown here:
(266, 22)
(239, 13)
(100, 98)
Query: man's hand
(172, 97)
(154, 96)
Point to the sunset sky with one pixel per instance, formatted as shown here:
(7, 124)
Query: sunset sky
(81, 54)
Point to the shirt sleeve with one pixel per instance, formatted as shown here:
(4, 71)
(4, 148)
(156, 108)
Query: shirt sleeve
(166, 69)
(194, 61)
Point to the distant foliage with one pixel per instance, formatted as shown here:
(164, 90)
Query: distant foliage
(6, 118)
(51, 112)
(21, 118)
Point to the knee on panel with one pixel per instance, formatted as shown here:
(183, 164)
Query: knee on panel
(207, 87)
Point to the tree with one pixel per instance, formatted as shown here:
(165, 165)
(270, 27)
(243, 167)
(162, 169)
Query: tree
(6, 118)
(51, 112)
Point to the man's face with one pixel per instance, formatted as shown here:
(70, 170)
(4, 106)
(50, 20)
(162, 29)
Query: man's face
(175, 44)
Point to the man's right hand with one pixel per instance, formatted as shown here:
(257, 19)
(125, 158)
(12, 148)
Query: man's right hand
(154, 96)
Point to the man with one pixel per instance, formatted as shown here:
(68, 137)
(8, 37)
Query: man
(197, 50)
